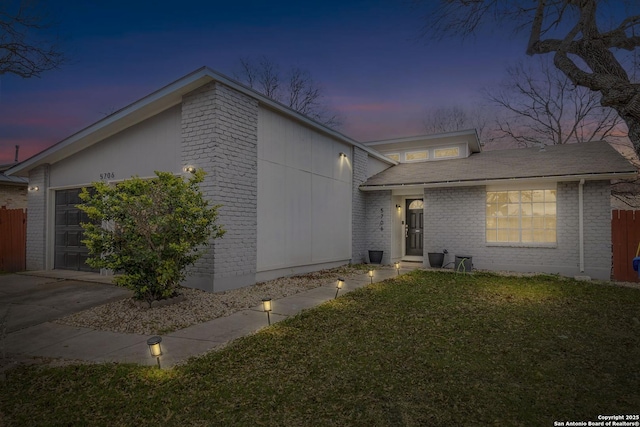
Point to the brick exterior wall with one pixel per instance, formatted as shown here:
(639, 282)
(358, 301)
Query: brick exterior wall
(36, 222)
(219, 134)
(379, 223)
(455, 220)
(597, 226)
(359, 207)
(13, 196)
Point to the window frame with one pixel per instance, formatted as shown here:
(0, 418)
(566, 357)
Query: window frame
(520, 189)
(407, 153)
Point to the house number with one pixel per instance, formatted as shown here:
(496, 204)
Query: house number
(107, 175)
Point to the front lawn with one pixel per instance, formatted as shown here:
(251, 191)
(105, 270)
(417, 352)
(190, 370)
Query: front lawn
(427, 348)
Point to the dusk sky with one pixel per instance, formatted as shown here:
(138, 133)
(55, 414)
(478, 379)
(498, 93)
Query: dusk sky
(368, 56)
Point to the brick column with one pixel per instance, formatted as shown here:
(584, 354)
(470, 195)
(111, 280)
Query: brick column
(37, 218)
(359, 207)
(219, 134)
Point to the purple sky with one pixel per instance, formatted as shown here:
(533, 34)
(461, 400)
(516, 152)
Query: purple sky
(368, 56)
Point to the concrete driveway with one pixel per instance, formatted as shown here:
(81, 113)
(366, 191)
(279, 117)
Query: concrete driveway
(32, 300)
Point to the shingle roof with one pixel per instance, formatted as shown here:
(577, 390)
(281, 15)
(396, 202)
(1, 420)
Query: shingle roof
(588, 159)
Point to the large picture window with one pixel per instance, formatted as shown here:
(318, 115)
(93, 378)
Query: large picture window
(521, 216)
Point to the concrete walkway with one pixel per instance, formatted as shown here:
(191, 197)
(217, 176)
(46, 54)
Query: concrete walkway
(51, 340)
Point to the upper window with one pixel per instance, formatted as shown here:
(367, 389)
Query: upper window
(394, 156)
(414, 156)
(440, 153)
(521, 216)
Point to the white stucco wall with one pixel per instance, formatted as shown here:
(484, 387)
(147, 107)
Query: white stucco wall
(139, 150)
(304, 196)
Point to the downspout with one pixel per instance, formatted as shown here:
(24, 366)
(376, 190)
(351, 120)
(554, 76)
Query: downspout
(581, 223)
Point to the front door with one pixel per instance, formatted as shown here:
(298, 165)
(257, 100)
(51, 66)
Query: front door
(414, 227)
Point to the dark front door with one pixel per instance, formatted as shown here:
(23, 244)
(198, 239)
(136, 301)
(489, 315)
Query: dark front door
(414, 226)
(70, 253)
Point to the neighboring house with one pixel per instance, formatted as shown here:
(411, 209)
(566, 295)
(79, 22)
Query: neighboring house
(297, 196)
(13, 190)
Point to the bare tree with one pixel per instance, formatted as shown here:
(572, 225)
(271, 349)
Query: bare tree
(296, 88)
(25, 48)
(541, 105)
(457, 117)
(584, 48)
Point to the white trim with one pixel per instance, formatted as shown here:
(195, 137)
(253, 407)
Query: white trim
(501, 181)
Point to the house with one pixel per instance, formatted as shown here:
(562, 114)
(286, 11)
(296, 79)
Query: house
(13, 190)
(297, 196)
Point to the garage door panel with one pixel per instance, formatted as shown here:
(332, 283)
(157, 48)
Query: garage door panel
(70, 252)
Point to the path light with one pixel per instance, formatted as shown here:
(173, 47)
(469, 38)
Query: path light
(154, 347)
(397, 265)
(371, 275)
(339, 286)
(266, 306)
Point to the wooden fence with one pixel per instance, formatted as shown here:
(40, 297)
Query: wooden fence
(13, 240)
(625, 235)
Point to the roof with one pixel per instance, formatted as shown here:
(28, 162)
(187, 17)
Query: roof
(157, 102)
(11, 180)
(587, 160)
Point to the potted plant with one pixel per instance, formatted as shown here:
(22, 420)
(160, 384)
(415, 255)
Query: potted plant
(436, 259)
(375, 257)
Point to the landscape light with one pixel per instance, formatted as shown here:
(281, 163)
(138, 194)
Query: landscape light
(397, 265)
(266, 306)
(339, 286)
(371, 275)
(154, 347)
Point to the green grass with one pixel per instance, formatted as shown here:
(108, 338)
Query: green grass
(427, 348)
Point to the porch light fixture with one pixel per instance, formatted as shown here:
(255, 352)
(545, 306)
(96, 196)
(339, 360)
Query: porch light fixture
(190, 169)
(34, 188)
(343, 155)
(399, 208)
(397, 266)
(154, 347)
(266, 306)
(371, 275)
(339, 286)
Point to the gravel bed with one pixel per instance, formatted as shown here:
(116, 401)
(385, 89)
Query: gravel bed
(125, 316)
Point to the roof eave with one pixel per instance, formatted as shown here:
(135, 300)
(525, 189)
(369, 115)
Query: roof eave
(156, 102)
(472, 183)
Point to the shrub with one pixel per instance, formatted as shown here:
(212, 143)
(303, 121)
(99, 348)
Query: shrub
(149, 230)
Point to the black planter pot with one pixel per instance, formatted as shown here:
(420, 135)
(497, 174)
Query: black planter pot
(435, 259)
(375, 257)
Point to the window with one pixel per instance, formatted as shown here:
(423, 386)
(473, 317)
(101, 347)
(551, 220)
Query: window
(394, 156)
(413, 156)
(416, 204)
(440, 153)
(521, 216)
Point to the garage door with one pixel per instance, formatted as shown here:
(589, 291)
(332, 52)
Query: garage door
(70, 253)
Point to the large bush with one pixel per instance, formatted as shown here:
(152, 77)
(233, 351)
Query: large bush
(148, 230)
